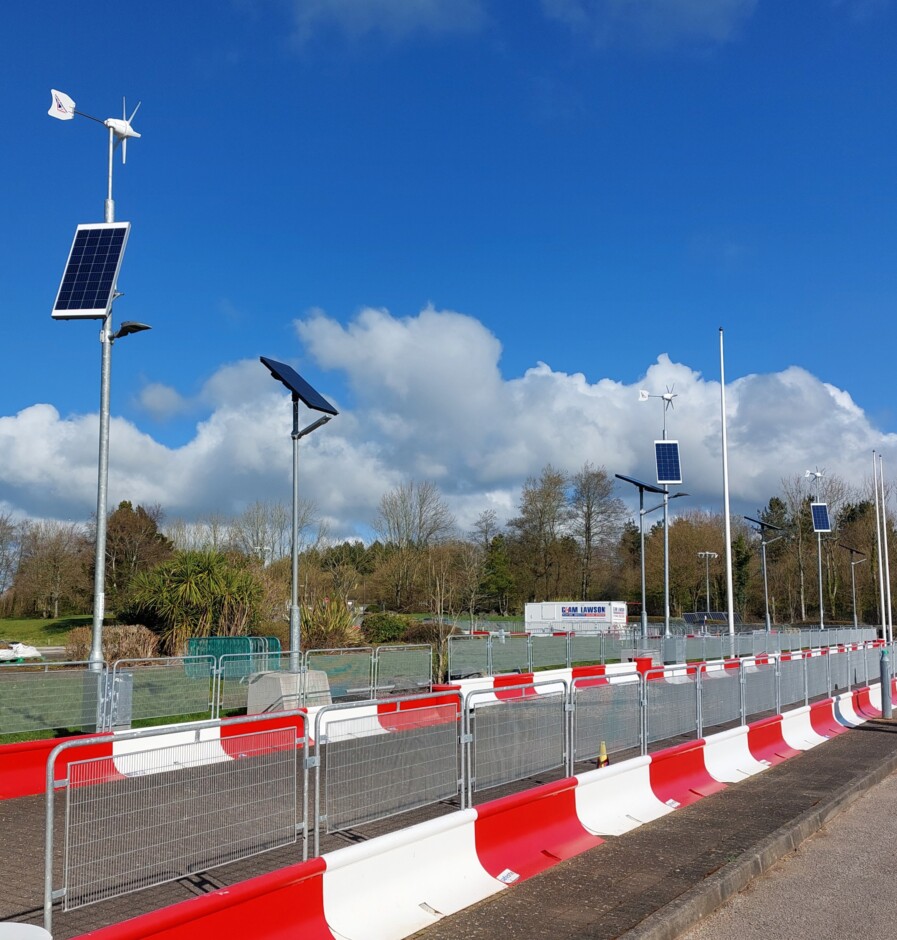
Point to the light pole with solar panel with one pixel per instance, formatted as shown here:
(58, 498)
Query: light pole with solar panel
(300, 390)
(821, 523)
(762, 527)
(87, 291)
(669, 472)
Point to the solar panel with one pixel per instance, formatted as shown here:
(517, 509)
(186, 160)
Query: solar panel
(667, 456)
(821, 521)
(298, 386)
(91, 271)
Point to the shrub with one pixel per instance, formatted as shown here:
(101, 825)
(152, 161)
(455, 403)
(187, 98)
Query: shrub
(384, 627)
(327, 625)
(119, 642)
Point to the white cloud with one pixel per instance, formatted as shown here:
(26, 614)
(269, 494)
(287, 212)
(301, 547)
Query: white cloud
(162, 401)
(653, 23)
(392, 19)
(429, 402)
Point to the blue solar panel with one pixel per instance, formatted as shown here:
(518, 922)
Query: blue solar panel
(310, 397)
(821, 521)
(91, 271)
(667, 455)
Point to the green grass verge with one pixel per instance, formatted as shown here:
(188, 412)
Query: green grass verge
(41, 632)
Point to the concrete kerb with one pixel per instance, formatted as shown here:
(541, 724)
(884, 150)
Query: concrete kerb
(687, 910)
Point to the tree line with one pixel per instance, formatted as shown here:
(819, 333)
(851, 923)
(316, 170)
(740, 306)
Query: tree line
(571, 537)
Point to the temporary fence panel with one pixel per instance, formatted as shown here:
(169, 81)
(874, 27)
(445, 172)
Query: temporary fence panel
(468, 656)
(184, 808)
(839, 671)
(174, 687)
(817, 676)
(510, 653)
(238, 671)
(608, 714)
(671, 706)
(372, 766)
(43, 696)
(403, 670)
(516, 737)
(589, 648)
(550, 652)
(350, 672)
(720, 696)
(759, 687)
(792, 682)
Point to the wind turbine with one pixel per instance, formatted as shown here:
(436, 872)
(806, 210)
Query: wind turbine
(63, 108)
(667, 398)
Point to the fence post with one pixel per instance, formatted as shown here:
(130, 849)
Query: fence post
(778, 678)
(742, 683)
(643, 713)
(699, 692)
(805, 659)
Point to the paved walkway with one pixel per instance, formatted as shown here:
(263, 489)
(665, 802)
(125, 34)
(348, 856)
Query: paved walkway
(657, 881)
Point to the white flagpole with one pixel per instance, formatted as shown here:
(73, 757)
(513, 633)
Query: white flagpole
(884, 532)
(730, 596)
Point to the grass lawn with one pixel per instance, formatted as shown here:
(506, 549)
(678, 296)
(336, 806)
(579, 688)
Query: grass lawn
(41, 632)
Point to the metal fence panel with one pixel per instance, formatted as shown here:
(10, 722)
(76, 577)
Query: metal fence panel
(238, 673)
(817, 676)
(608, 713)
(403, 670)
(42, 696)
(510, 654)
(759, 688)
(549, 651)
(839, 673)
(371, 773)
(350, 672)
(516, 738)
(467, 656)
(672, 706)
(188, 809)
(792, 681)
(174, 687)
(720, 697)
(589, 648)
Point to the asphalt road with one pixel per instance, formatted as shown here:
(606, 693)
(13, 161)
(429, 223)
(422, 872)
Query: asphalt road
(839, 883)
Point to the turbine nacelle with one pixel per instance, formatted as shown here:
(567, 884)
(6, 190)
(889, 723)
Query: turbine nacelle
(63, 108)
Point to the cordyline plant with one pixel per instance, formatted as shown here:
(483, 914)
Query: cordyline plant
(197, 593)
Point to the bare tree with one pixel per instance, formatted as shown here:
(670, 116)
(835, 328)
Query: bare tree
(52, 573)
(596, 517)
(10, 548)
(410, 519)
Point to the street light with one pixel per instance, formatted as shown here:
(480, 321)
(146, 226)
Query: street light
(763, 543)
(99, 575)
(300, 391)
(104, 243)
(642, 489)
(820, 524)
(853, 582)
(707, 556)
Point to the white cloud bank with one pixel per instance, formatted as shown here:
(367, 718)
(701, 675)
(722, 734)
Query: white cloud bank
(429, 402)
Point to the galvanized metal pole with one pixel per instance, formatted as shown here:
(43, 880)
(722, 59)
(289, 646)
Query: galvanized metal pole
(884, 530)
(887, 709)
(881, 568)
(730, 591)
(295, 631)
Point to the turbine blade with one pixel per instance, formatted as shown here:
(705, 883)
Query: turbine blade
(131, 118)
(124, 151)
(124, 109)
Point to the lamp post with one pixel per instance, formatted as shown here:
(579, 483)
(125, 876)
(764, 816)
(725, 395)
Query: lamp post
(300, 391)
(816, 475)
(853, 581)
(707, 556)
(642, 489)
(107, 338)
(762, 526)
(63, 108)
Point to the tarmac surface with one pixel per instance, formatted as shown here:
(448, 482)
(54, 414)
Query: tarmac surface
(659, 880)
(653, 883)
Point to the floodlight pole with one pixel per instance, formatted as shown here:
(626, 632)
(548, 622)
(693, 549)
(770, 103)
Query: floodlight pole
(884, 531)
(853, 581)
(881, 566)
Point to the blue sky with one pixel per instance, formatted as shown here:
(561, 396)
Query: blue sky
(479, 226)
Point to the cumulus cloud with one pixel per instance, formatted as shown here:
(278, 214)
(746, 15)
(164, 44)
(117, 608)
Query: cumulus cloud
(428, 401)
(654, 23)
(393, 20)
